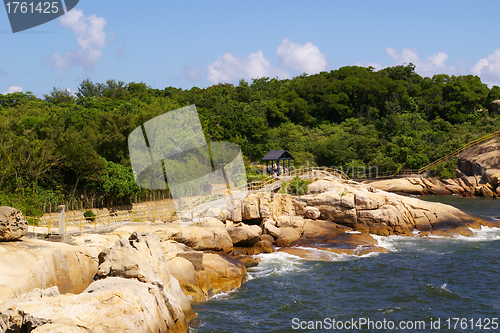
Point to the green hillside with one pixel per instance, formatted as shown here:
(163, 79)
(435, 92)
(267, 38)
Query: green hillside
(67, 146)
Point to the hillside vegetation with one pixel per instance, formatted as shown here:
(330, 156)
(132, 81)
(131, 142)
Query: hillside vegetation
(64, 146)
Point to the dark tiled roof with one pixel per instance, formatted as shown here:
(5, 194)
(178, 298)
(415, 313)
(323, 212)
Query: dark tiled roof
(274, 155)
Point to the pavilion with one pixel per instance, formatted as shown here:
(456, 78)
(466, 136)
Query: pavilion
(276, 157)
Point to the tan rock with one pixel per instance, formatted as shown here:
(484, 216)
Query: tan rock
(182, 269)
(401, 185)
(221, 274)
(110, 305)
(318, 231)
(197, 238)
(299, 206)
(235, 211)
(215, 212)
(264, 204)
(266, 237)
(495, 179)
(480, 158)
(270, 229)
(487, 192)
(251, 207)
(171, 248)
(141, 257)
(282, 205)
(211, 222)
(296, 222)
(244, 235)
(367, 200)
(347, 200)
(381, 229)
(13, 225)
(263, 246)
(312, 213)
(321, 185)
(31, 263)
(288, 236)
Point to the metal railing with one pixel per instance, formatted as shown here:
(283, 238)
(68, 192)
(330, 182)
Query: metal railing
(267, 184)
(82, 223)
(459, 150)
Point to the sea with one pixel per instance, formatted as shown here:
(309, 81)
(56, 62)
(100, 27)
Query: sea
(427, 284)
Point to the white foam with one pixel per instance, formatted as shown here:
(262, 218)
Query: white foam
(332, 256)
(485, 234)
(276, 263)
(390, 242)
(223, 295)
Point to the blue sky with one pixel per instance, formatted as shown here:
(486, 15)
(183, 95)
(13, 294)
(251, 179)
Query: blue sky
(200, 43)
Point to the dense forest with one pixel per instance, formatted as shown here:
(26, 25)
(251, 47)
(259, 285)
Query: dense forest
(64, 145)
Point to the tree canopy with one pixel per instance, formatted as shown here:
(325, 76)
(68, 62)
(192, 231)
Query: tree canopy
(393, 118)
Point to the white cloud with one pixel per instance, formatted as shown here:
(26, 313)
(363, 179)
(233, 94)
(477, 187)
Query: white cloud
(192, 74)
(13, 89)
(489, 69)
(304, 58)
(91, 39)
(434, 64)
(228, 68)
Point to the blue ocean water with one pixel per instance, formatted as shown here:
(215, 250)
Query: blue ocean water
(429, 284)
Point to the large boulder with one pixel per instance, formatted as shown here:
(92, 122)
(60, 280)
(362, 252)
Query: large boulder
(477, 159)
(312, 213)
(13, 225)
(220, 274)
(363, 208)
(32, 263)
(269, 228)
(264, 201)
(251, 207)
(244, 235)
(197, 238)
(141, 257)
(282, 205)
(287, 236)
(399, 185)
(111, 305)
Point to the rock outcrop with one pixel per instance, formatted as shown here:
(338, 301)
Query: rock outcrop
(485, 185)
(133, 292)
(31, 263)
(476, 160)
(13, 225)
(111, 305)
(141, 257)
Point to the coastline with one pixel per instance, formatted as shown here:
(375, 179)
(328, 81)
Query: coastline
(196, 262)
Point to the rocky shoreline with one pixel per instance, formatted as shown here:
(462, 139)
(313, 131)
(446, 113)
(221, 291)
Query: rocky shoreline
(143, 278)
(486, 185)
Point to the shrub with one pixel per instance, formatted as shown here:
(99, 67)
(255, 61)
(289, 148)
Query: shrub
(89, 215)
(296, 186)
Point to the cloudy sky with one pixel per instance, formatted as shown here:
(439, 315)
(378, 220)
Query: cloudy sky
(200, 43)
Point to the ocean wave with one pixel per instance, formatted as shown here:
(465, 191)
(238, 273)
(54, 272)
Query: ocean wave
(486, 234)
(443, 290)
(395, 243)
(277, 263)
(223, 295)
